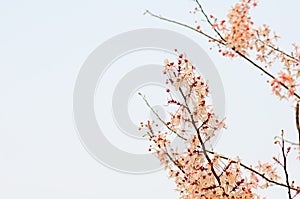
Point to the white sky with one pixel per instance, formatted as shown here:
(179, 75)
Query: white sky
(43, 45)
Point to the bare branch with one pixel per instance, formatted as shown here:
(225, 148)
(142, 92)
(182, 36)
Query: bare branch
(297, 121)
(160, 119)
(284, 155)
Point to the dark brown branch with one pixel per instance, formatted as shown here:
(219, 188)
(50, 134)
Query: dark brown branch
(223, 42)
(200, 139)
(284, 155)
(297, 122)
(262, 175)
(241, 54)
(264, 71)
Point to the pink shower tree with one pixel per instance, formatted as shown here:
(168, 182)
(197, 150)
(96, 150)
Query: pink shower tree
(201, 172)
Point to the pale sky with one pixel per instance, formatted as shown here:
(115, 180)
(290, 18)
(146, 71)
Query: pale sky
(43, 45)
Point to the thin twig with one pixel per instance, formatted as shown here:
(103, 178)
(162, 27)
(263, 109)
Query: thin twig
(175, 162)
(280, 51)
(284, 155)
(182, 24)
(287, 141)
(210, 23)
(160, 119)
(222, 42)
(262, 175)
(151, 134)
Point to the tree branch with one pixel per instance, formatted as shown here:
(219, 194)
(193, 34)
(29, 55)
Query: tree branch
(200, 138)
(160, 119)
(284, 155)
(182, 24)
(254, 171)
(222, 42)
(208, 21)
(297, 122)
